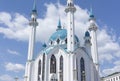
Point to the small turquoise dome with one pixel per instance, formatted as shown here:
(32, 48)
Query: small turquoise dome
(44, 45)
(87, 34)
(91, 13)
(91, 16)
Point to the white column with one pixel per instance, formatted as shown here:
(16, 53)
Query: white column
(70, 10)
(75, 68)
(29, 63)
(94, 47)
(31, 43)
(70, 32)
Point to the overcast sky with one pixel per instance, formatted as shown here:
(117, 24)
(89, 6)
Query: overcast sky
(14, 31)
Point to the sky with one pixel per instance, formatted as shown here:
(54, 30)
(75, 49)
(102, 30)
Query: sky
(14, 31)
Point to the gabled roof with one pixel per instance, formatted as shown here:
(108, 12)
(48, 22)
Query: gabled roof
(50, 49)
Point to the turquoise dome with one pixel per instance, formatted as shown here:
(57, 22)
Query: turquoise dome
(44, 45)
(91, 16)
(61, 34)
(87, 34)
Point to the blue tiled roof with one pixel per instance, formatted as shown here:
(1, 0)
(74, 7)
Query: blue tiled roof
(48, 50)
(61, 34)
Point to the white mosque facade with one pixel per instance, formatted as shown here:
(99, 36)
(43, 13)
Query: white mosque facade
(63, 59)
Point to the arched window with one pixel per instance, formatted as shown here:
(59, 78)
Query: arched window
(43, 67)
(82, 68)
(58, 41)
(39, 69)
(77, 68)
(53, 64)
(51, 42)
(61, 68)
(66, 41)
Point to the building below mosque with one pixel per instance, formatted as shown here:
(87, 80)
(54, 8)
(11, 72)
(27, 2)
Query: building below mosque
(63, 58)
(112, 77)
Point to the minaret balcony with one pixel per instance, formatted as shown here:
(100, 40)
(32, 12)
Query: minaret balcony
(70, 9)
(93, 27)
(33, 23)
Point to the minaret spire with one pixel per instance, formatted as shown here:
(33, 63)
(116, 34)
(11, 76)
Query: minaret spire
(59, 20)
(33, 23)
(91, 13)
(70, 10)
(34, 12)
(59, 24)
(34, 6)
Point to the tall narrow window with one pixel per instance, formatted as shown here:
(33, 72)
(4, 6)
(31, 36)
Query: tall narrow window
(51, 42)
(66, 41)
(61, 68)
(82, 68)
(58, 41)
(53, 64)
(43, 68)
(39, 69)
(77, 68)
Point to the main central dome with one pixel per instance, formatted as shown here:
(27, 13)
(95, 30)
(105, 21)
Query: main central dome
(60, 38)
(61, 34)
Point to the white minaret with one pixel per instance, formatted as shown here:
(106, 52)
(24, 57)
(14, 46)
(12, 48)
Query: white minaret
(33, 23)
(94, 49)
(70, 10)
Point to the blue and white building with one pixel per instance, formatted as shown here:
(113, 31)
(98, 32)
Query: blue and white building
(63, 58)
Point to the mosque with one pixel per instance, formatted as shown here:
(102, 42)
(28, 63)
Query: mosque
(63, 59)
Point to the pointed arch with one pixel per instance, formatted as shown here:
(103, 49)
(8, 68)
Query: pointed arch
(82, 69)
(43, 68)
(61, 62)
(61, 68)
(39, 69)
(58, 41)
(53, 64)
(66, 41)
(51, 42)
